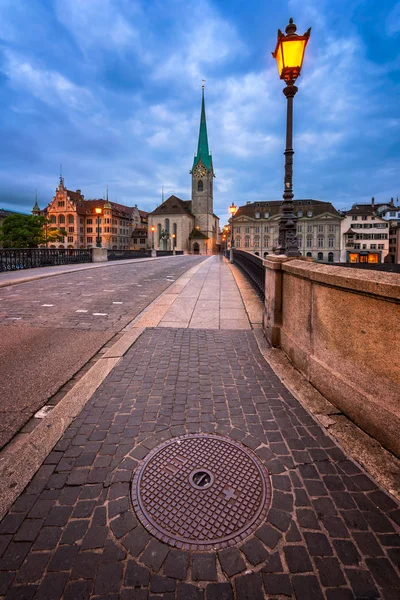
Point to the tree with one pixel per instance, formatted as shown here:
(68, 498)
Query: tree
(28, 231)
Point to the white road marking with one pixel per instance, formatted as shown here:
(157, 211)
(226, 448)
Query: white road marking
(47, 304)
(99, 314)
(108, 290)
(81, 311)
(117, 302)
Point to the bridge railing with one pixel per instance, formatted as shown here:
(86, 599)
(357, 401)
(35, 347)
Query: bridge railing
(13, 259)
(254, 269)
(127, 254)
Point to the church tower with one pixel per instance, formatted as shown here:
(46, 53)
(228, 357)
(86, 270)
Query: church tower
(202, 180)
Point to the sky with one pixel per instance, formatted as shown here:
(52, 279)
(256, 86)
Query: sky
(111, 89)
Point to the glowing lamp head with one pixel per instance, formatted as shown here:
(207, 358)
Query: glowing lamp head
(232, 209)
(98, 210)
(153, 229)
(173, 236)
(289, 52)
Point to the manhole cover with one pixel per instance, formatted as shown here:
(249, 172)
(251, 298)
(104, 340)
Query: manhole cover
(201, 491)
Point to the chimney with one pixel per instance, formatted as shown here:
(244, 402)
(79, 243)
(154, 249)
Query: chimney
(373, 202)
(248, 202)
(78, 191)
(391, 201)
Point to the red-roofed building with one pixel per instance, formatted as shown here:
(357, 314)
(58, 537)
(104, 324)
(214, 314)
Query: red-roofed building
(114, 226)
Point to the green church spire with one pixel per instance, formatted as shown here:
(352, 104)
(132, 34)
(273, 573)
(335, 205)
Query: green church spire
(203, 152)
(36, 208)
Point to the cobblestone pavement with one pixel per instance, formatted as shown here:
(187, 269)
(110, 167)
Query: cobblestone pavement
(330, 532)
(64, 321)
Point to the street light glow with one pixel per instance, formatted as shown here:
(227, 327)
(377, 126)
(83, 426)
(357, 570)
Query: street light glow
(289, 52)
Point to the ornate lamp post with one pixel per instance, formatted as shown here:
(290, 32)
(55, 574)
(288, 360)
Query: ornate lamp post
(232, 210)
(289, 54)
(152, 236)
(98, 210)
(173, 238)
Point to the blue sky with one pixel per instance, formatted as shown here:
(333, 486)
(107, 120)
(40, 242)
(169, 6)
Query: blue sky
(112, 89)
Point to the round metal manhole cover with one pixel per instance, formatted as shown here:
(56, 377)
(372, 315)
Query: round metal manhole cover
(201, 491)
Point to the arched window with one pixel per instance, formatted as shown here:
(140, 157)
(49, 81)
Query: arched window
(61, 219)
(330, 256)
(200, 186)
(167, 225)
(53, 220)
(309, 254)
(71, 219)
(159, 232)
(320, 256)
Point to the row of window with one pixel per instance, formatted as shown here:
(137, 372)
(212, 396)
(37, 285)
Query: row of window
(300, 214)
(369, 225)
(268, 229)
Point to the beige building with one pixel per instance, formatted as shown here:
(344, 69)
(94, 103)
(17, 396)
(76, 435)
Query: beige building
(256, 228)
(391, 213)
(190, 225)
(365, 235)
(83, 224)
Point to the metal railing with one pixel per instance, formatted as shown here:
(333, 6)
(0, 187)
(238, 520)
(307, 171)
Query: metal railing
(253, 267)
(168, 252)
(13, 259)
(127, 254)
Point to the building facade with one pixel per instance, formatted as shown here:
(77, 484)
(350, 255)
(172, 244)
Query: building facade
(391, 213)
(365, 235)
(113, 227)
(256, 228)
(190, 225)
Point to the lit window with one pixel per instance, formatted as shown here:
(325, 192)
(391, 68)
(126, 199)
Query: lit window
(266, 215)
(309, 213)
(257, 215)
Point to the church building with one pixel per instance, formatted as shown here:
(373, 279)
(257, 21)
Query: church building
(190, 225)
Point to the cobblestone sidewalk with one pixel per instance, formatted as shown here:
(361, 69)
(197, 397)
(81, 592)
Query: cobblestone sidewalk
(330, 532)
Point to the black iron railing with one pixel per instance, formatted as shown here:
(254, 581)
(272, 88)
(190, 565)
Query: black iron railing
(127, 254)
(168, 252)
(253, 267)
(13, 259)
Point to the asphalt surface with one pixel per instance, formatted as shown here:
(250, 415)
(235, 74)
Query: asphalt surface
(50, 328)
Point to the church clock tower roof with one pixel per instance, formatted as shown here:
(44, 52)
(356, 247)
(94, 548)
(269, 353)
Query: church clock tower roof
(203, 153)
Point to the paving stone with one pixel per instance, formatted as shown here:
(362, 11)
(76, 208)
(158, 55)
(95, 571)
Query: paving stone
(136, 575)
(14, 556)
(108, 578)
(307, 519)
(176, 565)
(52, 586)
(268, 535)
(112, 552)
(307, 587)
(204, 566)
(123, 524)
(339, 594)
(275, 584)
(273, 564)
(318, 544)
(78, 590)
(29, 530)
(75, 531)
(47, 539)
(254, 551)
(330, 572)
(95, 537)
(187, 591)
(11, 523)
(231, 561)
(58, 516)
(33, 568)
(6, 580)
(135, 541)
(297, 559)
(383, 572)
(279, 518)
(159, 584)
(367, 543)
(85, 565)
(249, 587)
(64, 558)
(362, 584)
(347, 552)
(219, 591)
(293, 534)
(335, 527)
(155, 554)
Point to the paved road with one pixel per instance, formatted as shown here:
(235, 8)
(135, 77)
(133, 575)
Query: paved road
(330, 532)
(50, 328)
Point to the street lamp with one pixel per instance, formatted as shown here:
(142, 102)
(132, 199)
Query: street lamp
(173, 237)
(232, 210)
(152, 236)
(289, 55)
(98, 210)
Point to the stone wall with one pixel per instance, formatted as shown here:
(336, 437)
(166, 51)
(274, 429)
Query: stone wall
(341, 328)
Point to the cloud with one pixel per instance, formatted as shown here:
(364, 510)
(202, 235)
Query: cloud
(393, 21)
(46, 85)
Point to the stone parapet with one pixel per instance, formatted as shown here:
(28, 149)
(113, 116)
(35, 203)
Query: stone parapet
(340, 328)
(99, 255)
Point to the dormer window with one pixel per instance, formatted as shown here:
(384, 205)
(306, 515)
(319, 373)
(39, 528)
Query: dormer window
(309, 213)
(299, 213)
(266, 215)
(257, 215)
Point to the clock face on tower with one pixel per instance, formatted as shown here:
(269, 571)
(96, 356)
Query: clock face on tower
(199, 171)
